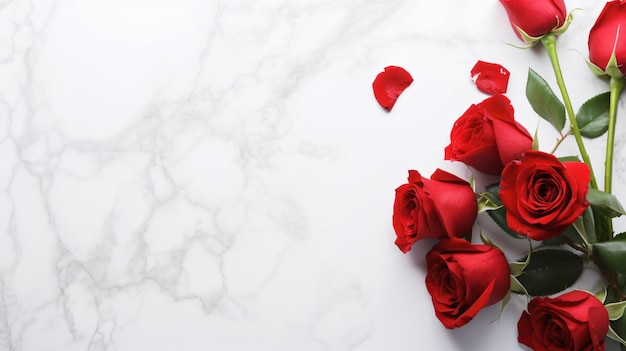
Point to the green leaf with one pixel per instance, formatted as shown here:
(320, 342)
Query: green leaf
(593, 116)
(585, 226)
(620, 236)
(612, 253)
(551, 271)
(604, 203)
(569, 159)
(544, 101)
(499, 214)
(582, 231)
(556, 241)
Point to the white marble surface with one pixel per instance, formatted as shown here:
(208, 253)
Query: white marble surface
(217, 175)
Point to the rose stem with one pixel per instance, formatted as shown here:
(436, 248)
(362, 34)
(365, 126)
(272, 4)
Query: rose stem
(616, 86)
(559, 141)
(549, 42)
(603, 225)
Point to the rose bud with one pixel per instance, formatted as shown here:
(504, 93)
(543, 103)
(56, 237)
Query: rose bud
(542, 195)
(575, 320)
(486, 137)
(463, 278)
(442, 206)
(607, 40)
(532, 19)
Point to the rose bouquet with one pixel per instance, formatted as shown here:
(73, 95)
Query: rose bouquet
(553, 202)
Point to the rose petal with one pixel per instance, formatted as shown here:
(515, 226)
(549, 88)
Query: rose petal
(490, 78)
(389, 84)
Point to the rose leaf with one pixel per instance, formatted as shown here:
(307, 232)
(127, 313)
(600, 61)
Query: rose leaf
(389, 84)
(585, 227)
(498, 214)
(612, 253)
(551, 271)
(543, 100)
(593, 116)
(604, 203)
(569, 159)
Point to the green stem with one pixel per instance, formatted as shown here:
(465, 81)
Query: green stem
(616, 86)
(549, 42)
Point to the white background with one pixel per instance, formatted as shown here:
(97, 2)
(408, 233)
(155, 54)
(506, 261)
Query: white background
(217, 175)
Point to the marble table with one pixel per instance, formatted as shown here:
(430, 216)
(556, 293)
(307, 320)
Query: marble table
(217, 175)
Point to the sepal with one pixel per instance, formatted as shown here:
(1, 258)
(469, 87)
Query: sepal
(613, 335)
(615, 310)
(530, 40)
(565, 25)
(601, 294)
(517, 268)
(595, 69)
(611, 68)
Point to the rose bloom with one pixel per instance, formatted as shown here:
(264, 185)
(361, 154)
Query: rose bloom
(575, 320)
(608, 37)
(542, 195)
(463, 278)
(442, 206)
(486, 137)
(535, 18)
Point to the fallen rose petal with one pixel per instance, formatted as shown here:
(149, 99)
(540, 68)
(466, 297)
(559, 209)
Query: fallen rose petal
(490, 78)
(389, 84)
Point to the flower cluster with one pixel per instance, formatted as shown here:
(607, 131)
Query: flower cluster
(553, 202)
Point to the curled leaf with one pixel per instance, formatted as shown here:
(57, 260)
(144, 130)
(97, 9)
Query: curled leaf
(389, 84)
(490, 78)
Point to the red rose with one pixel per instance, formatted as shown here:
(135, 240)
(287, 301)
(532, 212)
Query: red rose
(442, 206)
(608, 37)
(543, 196)
(463, 278)
(573, 321)
(535, 18)
(486, 137)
